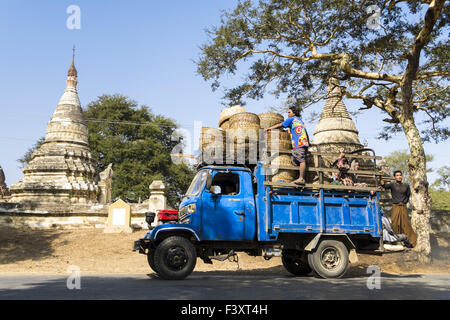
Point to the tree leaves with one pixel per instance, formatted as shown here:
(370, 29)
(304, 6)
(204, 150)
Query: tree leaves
(293, 46)
(138, 143)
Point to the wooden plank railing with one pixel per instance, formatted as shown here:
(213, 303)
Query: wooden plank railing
(320, 186)
(374, 174)
(331, 155)
(368, 173)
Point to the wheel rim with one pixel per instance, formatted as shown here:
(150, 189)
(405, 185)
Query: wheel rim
(330, 258)
(176, 258)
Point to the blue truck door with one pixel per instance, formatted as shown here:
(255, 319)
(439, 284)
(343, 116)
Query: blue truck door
(223, 215)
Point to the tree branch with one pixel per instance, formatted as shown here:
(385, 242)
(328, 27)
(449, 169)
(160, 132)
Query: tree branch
(431, 16)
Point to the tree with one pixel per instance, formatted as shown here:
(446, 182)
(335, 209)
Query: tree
(440, 192)
(398, 160)
(443, 182)
(399, 64)
(137, 143)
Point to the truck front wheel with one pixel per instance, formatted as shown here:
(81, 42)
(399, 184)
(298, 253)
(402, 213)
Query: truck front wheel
(296, 264)
(151, 260)
(330, 259)
(175, 258)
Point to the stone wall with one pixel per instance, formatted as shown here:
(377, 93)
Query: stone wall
(440, 220)
(53, 216)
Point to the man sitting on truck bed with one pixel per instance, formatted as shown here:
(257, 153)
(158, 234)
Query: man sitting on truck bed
(300, 140)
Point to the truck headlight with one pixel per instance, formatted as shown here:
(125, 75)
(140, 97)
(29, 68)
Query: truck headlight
(184, 211)
(191, 208)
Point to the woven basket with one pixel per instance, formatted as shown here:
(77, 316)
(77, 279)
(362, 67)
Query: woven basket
(284, 176)
(212, 152)
(244, 120)
(282, 160)
(225, 124)
(241, 135)
(284, 140)
(226, 113)
(244, 153)
(268, 119)
(208, 145)
(209, 135)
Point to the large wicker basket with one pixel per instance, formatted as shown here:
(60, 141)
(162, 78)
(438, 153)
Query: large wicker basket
(281, 160)
(245, 120)
(284, 176)
(212, 145)
(209, 134)
(225, 124)
(284, 140)
(268, 119)
(227, 113)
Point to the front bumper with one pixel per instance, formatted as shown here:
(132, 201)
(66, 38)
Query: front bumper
(141, 245)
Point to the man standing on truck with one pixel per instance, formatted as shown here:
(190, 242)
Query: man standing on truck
(400, 197)
(300, 140)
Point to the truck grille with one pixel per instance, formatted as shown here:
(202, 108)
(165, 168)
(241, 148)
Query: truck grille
(182, 214)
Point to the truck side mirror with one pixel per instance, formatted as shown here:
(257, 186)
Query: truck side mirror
(149, 218)
(215, 190)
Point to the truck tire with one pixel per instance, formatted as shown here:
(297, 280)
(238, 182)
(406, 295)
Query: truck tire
(295, 264)
(175, 258)
(329, 260)
(151, 260)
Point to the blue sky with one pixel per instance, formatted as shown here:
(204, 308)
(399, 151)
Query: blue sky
(142, 49)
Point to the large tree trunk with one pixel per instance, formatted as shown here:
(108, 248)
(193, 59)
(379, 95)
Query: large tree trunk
(420, 198)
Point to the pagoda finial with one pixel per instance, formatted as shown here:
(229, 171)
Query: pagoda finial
(72, 70)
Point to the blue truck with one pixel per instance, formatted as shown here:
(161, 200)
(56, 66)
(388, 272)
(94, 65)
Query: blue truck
(229, 209)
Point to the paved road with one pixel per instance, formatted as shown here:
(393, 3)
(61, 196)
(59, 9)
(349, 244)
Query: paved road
(223, 286)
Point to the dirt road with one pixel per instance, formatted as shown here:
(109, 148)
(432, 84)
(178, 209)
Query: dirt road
(94, 252)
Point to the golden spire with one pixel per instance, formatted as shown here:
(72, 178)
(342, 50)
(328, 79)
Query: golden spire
(72, 70)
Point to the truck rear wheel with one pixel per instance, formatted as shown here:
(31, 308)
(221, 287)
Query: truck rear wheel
(175, 258)
(330, 259)
(296, 264)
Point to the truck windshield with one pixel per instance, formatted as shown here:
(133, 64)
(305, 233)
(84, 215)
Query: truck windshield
(197, 184)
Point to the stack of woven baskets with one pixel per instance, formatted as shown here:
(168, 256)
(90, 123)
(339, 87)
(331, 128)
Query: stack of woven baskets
(237, 140)
(212, 142)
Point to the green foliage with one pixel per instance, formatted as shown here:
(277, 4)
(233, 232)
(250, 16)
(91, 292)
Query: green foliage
(441, 199)
(138, 143)
(398, 160)
(443, 182)
(289, 48)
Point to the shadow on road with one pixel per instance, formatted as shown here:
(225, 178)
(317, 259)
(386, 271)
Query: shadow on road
(224, 286)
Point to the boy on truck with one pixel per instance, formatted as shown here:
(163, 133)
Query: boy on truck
(300, 140)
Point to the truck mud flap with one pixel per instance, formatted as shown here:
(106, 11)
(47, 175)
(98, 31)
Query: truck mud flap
(314, 242)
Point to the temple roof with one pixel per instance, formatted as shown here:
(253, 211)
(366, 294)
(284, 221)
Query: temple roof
(335, 124)
(334, 106)
(67, 124)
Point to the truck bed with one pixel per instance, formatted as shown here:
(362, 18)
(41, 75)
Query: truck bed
(315, 208)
